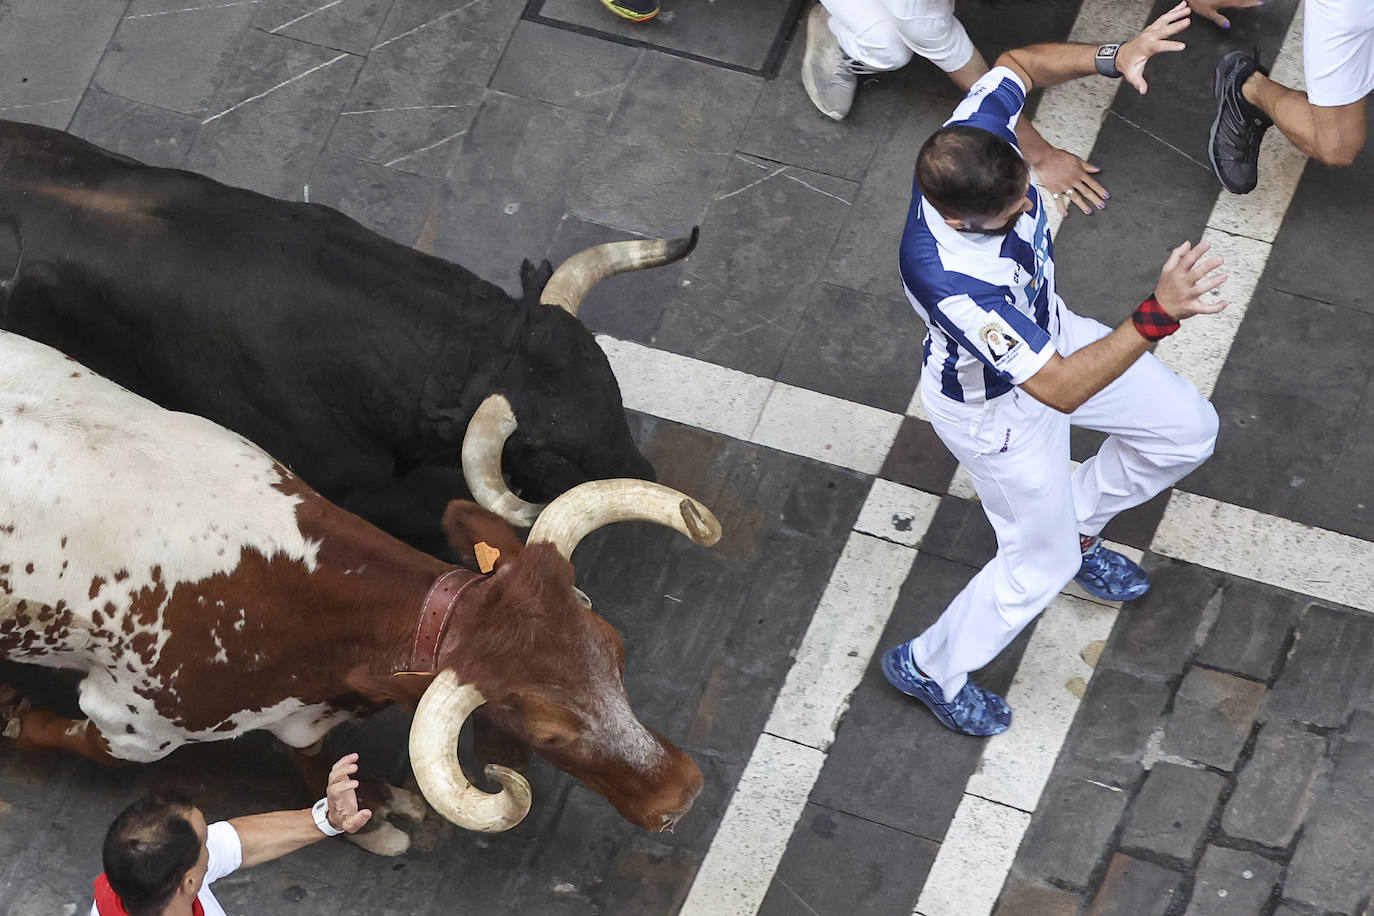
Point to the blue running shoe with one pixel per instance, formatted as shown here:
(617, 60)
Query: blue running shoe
(1110, 576)
(973, 711)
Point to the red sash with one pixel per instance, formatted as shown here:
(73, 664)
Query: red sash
(107, 902)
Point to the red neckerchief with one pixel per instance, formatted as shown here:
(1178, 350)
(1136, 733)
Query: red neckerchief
(107, 902)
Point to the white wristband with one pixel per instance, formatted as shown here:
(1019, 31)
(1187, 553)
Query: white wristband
(320, 811)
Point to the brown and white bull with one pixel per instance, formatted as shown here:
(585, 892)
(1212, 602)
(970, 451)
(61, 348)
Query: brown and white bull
(205, 592)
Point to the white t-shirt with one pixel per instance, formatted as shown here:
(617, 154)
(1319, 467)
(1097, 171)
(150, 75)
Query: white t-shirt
(226, 855)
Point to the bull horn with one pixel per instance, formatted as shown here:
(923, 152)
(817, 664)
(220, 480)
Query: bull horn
(579, 273)
(439, 718)
(590, 505)
(486, 436)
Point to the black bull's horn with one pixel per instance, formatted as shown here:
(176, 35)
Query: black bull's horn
(579, 273)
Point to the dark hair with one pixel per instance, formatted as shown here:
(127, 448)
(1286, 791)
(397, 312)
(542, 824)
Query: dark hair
(969, 172)
(148, 850)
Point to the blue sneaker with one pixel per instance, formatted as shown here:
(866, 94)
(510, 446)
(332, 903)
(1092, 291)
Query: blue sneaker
(1110, 576)
(973, 711)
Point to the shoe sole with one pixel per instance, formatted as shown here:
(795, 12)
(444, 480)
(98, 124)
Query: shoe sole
(1218, 79)
(812, 90)
(1107, 597)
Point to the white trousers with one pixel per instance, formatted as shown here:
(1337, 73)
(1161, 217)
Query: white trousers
(1016, 450)
(883, 34)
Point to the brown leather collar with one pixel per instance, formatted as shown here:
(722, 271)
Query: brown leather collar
(434, 617)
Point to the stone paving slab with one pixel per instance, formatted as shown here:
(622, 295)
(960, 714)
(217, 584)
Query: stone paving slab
(918, 459)
(1328, 672)
(1022, 898)
(892, 762)
(1333, 866)
(1250, 630)
(1073, 827)
(489, 131)
(1231, 882)
(1333, 270)
(1271, 797)
(1212, 717)
(1315, 400)
(146, 132)
(63, 40)
(1172, 811)
(745, 36)
(882, 868)
(768, 230)
(1135, 887)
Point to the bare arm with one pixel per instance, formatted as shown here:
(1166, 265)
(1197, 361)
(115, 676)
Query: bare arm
(265, 837)
(1055, 169)
(1042, 66)
(1065, 382)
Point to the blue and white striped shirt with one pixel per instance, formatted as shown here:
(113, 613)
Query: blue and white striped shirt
(988, 301)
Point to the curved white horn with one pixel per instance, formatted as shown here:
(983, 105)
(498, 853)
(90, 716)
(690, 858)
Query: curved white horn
(439, 718)
(590, 505)
(486, 436)
(579, 273)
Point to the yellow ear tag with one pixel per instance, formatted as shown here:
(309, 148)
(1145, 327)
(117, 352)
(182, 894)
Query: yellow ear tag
(487, 556)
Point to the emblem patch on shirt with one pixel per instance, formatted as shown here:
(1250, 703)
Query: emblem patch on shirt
(999, 340)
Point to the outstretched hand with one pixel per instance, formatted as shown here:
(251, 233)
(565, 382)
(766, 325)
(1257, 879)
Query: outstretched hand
(1184, 281)
(1069, 180)
(1131, 58)
(342, 793)
(1210, 9)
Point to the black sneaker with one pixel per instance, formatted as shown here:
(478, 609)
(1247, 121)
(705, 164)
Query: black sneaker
(1239, 125)
(633, 10)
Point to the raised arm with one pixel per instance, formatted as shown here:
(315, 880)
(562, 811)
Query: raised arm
(1042, 66)
(265, 837)
(1065, 382)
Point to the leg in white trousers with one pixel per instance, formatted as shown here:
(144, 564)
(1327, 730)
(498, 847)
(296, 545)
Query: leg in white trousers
(1016, 450)
(883, 34)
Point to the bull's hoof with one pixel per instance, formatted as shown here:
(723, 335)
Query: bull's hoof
(381, 838)
(405, 804)
(12, 706)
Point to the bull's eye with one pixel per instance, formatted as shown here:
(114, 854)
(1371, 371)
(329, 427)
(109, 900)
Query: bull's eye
(582, 598)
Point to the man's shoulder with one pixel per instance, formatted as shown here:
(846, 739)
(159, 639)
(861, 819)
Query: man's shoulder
(225, 848)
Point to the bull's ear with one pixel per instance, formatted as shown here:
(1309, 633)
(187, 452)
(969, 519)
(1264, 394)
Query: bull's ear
(467, 524)
(533, 279)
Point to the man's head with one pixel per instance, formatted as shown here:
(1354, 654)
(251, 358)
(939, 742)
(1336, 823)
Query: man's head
(974, 178)
(154, 849)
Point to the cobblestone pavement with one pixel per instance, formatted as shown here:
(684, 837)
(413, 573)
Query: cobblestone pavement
(1206, 750)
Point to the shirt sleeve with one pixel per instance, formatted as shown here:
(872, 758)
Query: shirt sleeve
(226, 851)
(1006, 340)
(993, 103)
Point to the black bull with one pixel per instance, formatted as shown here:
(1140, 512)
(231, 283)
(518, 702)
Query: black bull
(356, 361)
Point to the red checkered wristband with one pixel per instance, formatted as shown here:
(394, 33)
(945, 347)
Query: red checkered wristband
(1152, 321)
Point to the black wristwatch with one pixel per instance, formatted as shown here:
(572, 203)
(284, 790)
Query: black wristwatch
(1106, 60)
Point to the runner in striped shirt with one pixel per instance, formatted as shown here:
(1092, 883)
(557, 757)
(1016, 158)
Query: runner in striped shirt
(1008, 368)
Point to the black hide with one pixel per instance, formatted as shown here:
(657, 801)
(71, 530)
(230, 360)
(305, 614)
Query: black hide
(354, 360)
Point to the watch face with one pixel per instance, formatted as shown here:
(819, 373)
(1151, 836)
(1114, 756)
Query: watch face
(1108, 50)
